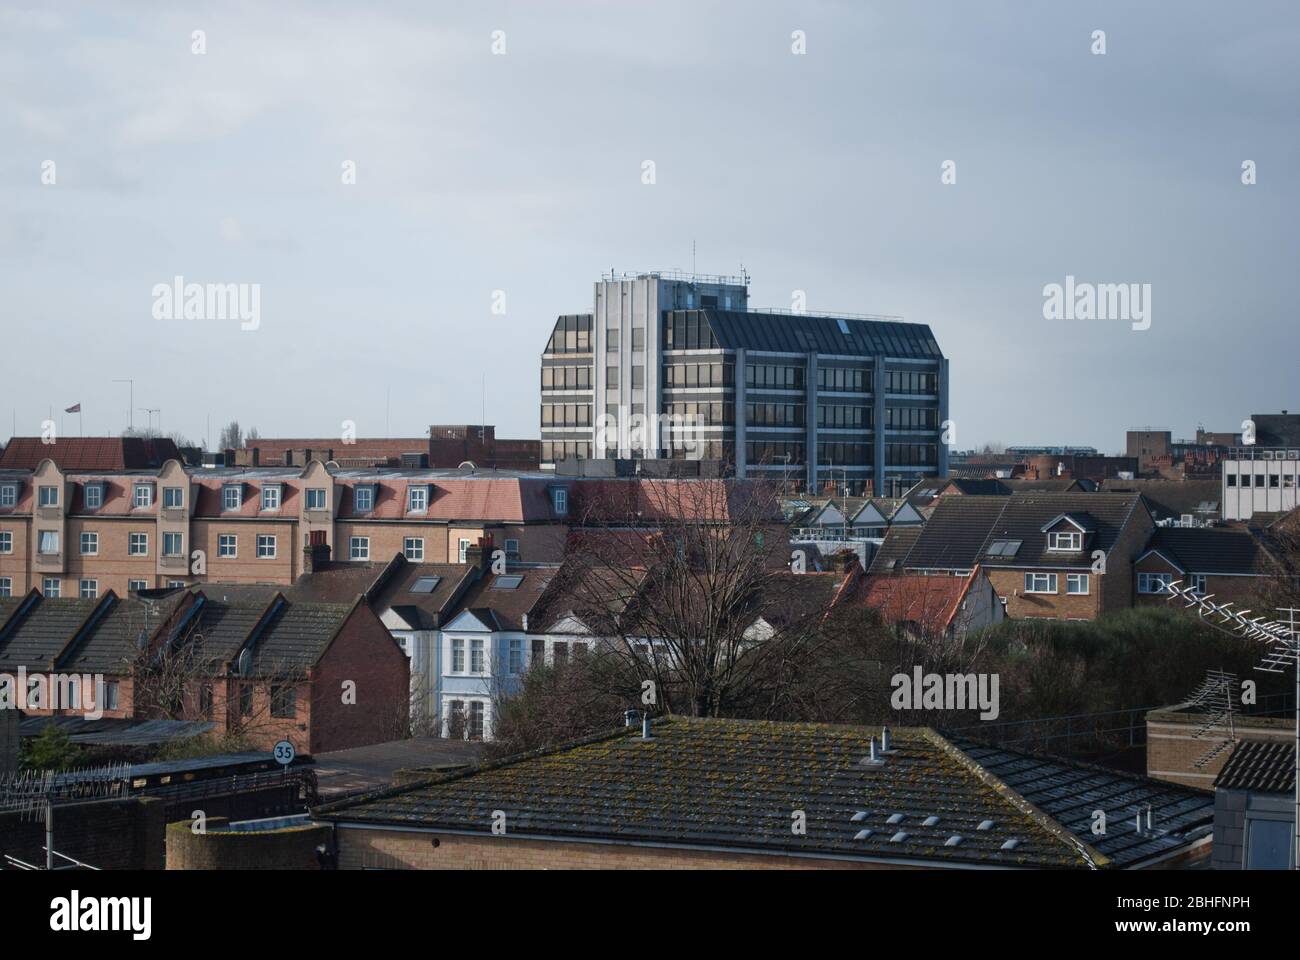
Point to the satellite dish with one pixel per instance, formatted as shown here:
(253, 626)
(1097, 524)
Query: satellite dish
(467, 464)
(245, 666)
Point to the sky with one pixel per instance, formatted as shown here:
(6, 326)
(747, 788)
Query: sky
(499, 152)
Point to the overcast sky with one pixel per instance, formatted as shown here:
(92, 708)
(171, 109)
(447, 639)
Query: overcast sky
(522, 172)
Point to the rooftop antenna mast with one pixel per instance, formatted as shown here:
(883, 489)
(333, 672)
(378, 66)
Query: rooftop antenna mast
(1281, 649)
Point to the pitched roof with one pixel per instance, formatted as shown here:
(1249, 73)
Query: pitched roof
(89, 453)
(808, 333)
(734, 784)
(930, 602)
(114, 641)
(894, 549)
(1267, 766)
(1171, 499)
(502, 600)
(36, 639)
(1221, 550)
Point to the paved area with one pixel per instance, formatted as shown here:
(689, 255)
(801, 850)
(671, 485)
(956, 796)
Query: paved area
(368, 768)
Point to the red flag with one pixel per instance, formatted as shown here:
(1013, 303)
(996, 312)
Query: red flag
(75, 408)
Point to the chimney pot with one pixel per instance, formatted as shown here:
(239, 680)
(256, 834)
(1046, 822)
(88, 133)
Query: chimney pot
(886, 740)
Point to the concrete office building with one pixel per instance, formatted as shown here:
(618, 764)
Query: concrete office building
(852, 400)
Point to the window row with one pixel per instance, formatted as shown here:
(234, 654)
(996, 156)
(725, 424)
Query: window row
(844, 454)
(572, 335)
(844, 417)
(911, 381)
(690, 331)
(566, 378)
(699, 374)
(553, 450)
(773, 452)
(774, 415)
(1273, 481)
(911, 418)
(710, 414)
(566, 415)
(638, 340)
(1077, 584)
(844, 379)
(911, 454)
(774, 376)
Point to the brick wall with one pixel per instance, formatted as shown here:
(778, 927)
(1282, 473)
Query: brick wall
(365, 653)
(291, 848)
(1062, 606)
(110, 834)
(364, 848)
(1173, 747)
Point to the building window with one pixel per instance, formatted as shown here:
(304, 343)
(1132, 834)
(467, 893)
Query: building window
(111, 696)
(512, 549)
(50, 586)
(230, 496)
(49, 496)
(315, 498)
(227, 546)
(457, 655)
(138, 545)
(1040, 583)
(94, 495)
(6, 587)
(638, 378)
(516, 655)
(173, 497)
(1197, 582)
(175, 583)
(284, 701)
(1154, 582)
(265, 546)
(8, 495)
(560, 652)
(611, 377)
(413, 548)
(1231, 479)
(476, 656)
(172, 545)
(89, 544)
(560, 501)
(538, 652)
(271, 498)
(88, 589)
(205, 701)
(48, 542)
(1076, 583)
(1270, 844)
(6, 542)
(474, 726)
(359, 548)
(136, 585)
(1071, 542)
(463, 548)
(143, 496)
(245, 699)
(363, 499)
(417, 499)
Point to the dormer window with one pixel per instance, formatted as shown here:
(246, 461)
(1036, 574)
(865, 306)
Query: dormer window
(1065, 541)
(363, 498)
(8, 495)
(560, 501)
(417, 499)
(94, 496)
(142, 495)
(232, 495)
(271, 496)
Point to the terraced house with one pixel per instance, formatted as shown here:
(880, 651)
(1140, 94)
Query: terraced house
(850, 398)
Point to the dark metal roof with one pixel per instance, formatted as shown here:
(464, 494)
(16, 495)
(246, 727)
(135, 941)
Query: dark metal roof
(1211, 550)
(1266, 766)
(1069, 792)
(807, 333)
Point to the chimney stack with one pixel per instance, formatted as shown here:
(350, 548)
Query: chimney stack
(315, 553)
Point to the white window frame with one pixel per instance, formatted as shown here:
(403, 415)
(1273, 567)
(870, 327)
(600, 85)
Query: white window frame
(1073, 539)
(457, 649)
(179, 538)
(93, 494)
(6, 541)
(170, 493)
(8, 495)
(512, 546)
(315, 494)
(89, 539)
(271, 496)
(142, 495)
(137, 585)
(359, 548)
(6, 587)
(88, 589)
(225, 540)
(111, 695)
(1162, 580)
(1073, 580)
(1031, 581)
(1197, 582)
(420, 493)
(560, 501)
(51, 587)
(413, 548)
(40, 543)
(477, 657)
(131, 542)
(232, 497)
(357, 493)
(48, 495)
(516, 655)
(266, 546)
(463, 545)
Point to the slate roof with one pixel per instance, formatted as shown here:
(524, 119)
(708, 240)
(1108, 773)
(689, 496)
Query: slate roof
(735, 784)
(296, 636)
(424, 611)
(961, 529)
(89, 453)
(1170, 499)
(504, 609)
(984, 486)
(1265, 766)
(1224, 550)
(894, 549)
(113, 643)
(1069, 791)
(36, 639)
(808, 333)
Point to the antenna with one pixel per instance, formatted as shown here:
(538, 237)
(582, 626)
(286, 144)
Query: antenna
(1216, 699)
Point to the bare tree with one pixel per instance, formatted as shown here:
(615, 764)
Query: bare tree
(232, 437)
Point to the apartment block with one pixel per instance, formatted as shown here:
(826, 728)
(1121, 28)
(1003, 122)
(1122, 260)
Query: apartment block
(671, 365)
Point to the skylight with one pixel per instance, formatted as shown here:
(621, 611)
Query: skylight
(425, 584)
(1004, 548)
(507, 583)
(844, 327)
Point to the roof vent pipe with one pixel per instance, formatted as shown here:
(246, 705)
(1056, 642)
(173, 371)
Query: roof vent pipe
(886, 740)
(629, 717)
(645, 726)
(875, 751)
